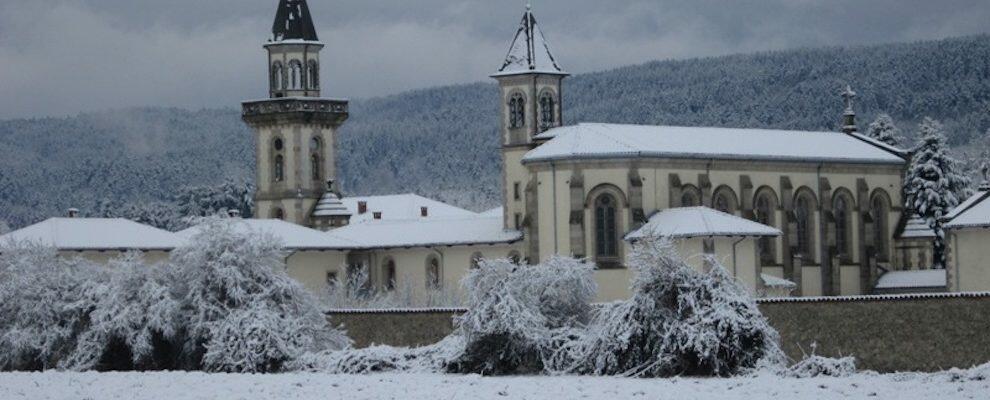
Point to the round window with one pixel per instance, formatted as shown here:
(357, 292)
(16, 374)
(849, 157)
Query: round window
(278, 144)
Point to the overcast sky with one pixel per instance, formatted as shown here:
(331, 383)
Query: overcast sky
(61, 57)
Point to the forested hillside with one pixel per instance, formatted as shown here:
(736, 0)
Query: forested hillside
(442, 142)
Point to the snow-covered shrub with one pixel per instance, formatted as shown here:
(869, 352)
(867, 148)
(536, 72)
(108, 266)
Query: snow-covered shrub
(242, 312)
(516, 314)
(815, 366)
(134, 321)
(678, 322)
(45, 301)
(426, 359)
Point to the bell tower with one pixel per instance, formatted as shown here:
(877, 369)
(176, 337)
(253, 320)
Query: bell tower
(530, 85)
(295, 129)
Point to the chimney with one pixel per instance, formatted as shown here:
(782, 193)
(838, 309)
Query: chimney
(362, 207)
(377, 214)
(424, 212)
(72, 213)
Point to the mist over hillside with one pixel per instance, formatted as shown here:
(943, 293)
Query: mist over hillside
(442, 142)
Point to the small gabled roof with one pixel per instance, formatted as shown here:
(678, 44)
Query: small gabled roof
(94, 234)
(529, 52)
(972, 213)
(916, 228)
(293, 237)
(293, 22)
(691, 222)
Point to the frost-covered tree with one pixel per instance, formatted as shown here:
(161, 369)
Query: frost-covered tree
(135, 320)
(205, 201)
(45, 301)
(677, 322)
(518, 315)
(934, 183)
(884, 130)
(242, 312)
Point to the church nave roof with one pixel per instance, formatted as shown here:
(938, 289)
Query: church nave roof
(615, 141)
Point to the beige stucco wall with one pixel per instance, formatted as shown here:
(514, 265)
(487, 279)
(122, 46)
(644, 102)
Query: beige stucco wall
(970, 260)
(411, 264)
(554, 195)
(310, 268)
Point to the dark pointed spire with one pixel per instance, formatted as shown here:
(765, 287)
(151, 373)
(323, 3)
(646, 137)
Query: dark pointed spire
(529, 52)
(293, 22)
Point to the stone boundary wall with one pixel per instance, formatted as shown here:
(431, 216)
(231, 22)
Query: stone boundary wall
(922, 332)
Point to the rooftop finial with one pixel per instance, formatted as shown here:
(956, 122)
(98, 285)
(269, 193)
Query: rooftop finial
(985, 169)
(849, 117)
(529, 6)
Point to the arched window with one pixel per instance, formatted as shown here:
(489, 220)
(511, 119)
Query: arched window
(766, 203)
(547, 111)
(388, 271)
(295, 75)
(606, 229)
(690, 196)
(433, 276)
(517, 111)
(476, 260)
(841, 211)
(278, 161)
(804, 216)
(724, 200)
(515, 257)
(278, 76)
(278, 213)
(879, 210)
(314, 74)
(316, 159)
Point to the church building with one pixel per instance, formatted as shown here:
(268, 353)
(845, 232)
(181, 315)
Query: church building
(787, 212)
(831, 200)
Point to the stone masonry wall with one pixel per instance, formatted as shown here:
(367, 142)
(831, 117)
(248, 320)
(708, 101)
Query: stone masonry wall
(927, 332)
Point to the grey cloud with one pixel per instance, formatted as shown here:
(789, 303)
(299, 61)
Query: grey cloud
(66, 56)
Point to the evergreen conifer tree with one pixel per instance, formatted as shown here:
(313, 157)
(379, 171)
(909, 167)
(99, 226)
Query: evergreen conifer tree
(884, 130)
(934, 184)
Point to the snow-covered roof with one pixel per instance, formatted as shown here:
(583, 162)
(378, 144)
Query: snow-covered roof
(495, 212)
(609, 141)
(330, 205)
(912, 279)
(775, 282)
(916, 228)
(293, 237)
(691, 222)
(529, 52)
(972, 213)
(96, 234)
(428, 232)
(401, 207)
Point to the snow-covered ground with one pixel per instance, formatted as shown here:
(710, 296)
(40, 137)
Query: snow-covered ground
(188, 386)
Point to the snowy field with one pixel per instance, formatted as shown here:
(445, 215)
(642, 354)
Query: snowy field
(189, 386)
